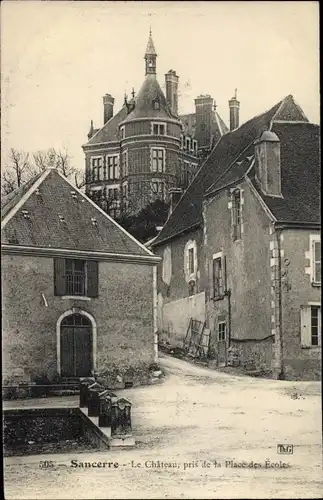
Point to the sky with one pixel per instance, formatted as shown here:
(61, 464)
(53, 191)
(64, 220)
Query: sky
(58, 58)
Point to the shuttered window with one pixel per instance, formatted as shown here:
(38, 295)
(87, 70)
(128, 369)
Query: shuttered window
(75, 277)
(317, 261)
(310, 326)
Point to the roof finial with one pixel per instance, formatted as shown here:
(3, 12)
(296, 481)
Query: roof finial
(235, 93)
(150, 31)
(133, 93)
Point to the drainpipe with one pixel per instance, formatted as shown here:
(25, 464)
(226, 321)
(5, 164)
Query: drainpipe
(279, 337)
(155, 314)
(228, 293)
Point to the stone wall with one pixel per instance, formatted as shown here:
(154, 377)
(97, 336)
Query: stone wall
(123, 313)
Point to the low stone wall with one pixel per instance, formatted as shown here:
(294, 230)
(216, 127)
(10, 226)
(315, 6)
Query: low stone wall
(254, 355)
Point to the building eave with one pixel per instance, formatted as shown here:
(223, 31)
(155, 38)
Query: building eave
(281, 224)
(8, 249)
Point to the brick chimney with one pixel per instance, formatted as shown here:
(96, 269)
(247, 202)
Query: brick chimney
(267, 163)
(234, 106)
(204, 115)
(171, 80)
(108, 102)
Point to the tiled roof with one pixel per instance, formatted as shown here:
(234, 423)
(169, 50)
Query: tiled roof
(188, 212)
(232, 157)
(56, 219)
(149, 91)
(218, 126)
(301, 173)
(109, 131)
(10, 200)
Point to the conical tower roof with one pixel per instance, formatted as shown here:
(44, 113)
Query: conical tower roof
(150, 50)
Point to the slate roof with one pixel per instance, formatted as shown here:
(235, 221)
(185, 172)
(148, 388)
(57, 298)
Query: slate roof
(301, 173)
(109, 131)
(45, 229)
(218, 126)
(149, 91)
(150, 50)
(188, 213)
(231, 159)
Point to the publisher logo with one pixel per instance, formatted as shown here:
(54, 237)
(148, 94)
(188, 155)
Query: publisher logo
(285, 449)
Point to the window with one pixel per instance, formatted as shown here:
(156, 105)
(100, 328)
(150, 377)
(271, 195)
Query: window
(187, 143)
(222, 330)
(182, 141)
(185, 174)
(158, 160)
(191, 267)
(316, 262)
(124, 163)
(236, 214)
(158, 189)
(96, 163)
(158, 128)
(75, 277)
(190, 260)
(113, 167)
(311, 326)
(122, 132)
(218, 289)
(114, 208)
(156, 104)
(194, 146)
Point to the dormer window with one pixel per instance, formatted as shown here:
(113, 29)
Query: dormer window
(156, 104)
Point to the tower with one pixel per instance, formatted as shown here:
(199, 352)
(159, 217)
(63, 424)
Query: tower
(150, 56)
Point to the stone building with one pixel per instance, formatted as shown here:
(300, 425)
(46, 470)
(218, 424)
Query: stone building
(147, 150)
(78, 291)
(241, 250)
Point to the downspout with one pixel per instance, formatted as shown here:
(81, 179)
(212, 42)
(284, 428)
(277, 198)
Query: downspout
(228, 293)
(281, 374)
(155, 314)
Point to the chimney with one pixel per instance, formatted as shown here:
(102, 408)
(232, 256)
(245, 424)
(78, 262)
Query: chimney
(267, 163)
(234, 106)
(91, 131)
(175, 195)
(204, 115)
(171, 80)
(108, 102)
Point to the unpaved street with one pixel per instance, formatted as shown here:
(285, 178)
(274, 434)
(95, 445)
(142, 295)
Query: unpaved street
(196, 417)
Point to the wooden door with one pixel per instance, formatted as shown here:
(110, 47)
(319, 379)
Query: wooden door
(76, 346)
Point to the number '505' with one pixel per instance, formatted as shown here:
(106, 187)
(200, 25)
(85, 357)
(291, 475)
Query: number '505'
(46, 464)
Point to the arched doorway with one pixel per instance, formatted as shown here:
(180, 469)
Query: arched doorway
(76, 346)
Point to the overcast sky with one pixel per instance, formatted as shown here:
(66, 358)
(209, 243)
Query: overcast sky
(59, 58)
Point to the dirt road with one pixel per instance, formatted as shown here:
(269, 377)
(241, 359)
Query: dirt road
(200, 434)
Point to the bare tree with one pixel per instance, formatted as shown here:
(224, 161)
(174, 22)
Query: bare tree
(21, 167)
(16, 172)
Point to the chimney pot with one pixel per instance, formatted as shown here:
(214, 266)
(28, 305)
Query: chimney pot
(108, 103)
(234, 106)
